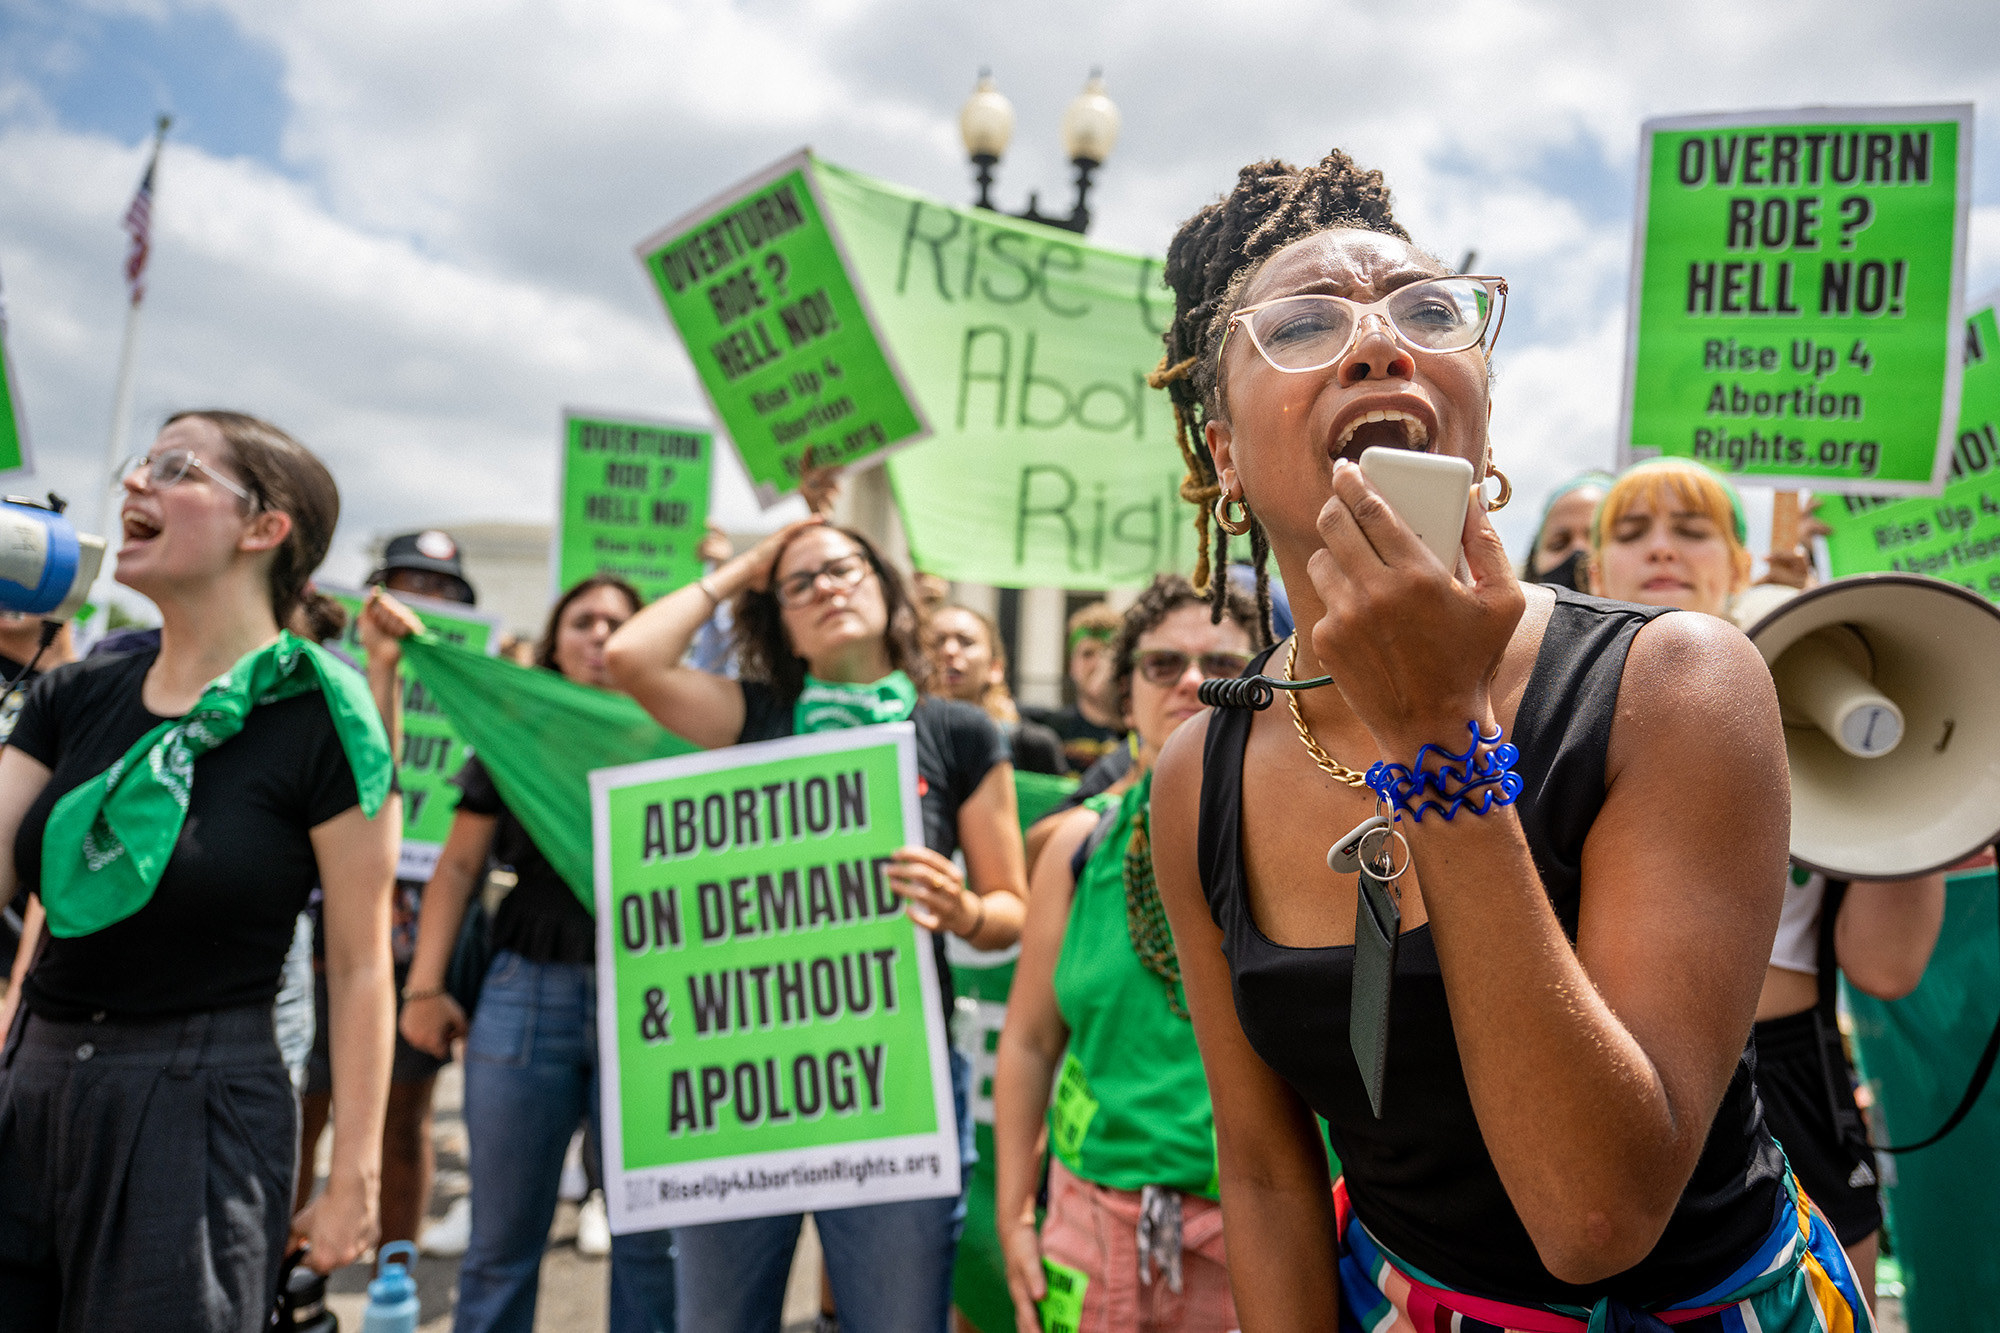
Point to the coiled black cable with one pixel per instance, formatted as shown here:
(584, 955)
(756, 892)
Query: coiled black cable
(1255, 692)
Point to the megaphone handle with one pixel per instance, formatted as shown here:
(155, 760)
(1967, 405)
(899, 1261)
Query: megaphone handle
(1980, 1074)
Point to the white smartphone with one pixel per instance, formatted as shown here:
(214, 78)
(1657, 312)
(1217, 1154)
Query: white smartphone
(1428, 491)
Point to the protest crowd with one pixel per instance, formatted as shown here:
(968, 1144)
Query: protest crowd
(758, 892)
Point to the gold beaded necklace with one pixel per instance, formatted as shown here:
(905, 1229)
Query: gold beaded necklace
(1332, 767)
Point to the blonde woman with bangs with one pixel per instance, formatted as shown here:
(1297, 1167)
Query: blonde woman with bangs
(1671, 533)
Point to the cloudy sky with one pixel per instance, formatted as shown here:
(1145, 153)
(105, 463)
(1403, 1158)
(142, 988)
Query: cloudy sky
(405, 231)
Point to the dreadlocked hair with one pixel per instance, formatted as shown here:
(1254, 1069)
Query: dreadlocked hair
(1211, 260)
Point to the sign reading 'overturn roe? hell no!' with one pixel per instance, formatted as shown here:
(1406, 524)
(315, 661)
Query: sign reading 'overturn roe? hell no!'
(770, 1030)
(1795, 305)
(784, 345)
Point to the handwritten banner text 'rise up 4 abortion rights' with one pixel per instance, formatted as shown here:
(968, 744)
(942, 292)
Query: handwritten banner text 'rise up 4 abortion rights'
(1051, 462)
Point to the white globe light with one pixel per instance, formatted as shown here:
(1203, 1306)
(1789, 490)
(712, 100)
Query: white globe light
(986, 121)
(1090, 124)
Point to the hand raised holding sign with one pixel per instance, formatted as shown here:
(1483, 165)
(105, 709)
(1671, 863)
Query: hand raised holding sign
(935, 888)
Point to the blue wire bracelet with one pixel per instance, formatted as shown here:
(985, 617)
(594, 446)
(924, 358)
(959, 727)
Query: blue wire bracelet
(1477, 780)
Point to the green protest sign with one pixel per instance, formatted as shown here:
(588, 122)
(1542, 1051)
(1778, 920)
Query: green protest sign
(769, 1023)
(634, 501)
(1953, 536)
(432, 753)
(1052, 463)
(1062, 1308)
(13, 436)
(755, 282)
(1795, 299)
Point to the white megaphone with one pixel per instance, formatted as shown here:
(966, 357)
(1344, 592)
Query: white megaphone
(1890, 689)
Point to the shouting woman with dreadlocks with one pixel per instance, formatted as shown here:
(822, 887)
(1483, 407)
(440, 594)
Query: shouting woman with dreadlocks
(1556, 945)
(1096, 1015)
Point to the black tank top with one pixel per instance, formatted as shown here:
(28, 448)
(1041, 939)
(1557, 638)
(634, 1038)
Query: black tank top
(1420, 1178)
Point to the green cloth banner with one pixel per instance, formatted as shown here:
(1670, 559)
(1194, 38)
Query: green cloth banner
(634, 501)
(981, 980)
(770, 1032)
(538, 736)
(432, 753)
(1795, 300)
(1052, 463)
(755, 283)
(13, 436)
(1954, 536)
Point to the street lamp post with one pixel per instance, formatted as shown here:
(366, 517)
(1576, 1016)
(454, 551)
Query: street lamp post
(1089, 132)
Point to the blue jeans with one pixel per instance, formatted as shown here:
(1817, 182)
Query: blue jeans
(890, 1263)
(530, 1076)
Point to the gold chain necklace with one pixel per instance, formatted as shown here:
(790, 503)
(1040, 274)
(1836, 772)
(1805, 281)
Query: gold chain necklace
(1332, 767)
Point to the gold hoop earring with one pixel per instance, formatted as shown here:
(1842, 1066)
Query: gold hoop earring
(1234, 527)
(1498, 502)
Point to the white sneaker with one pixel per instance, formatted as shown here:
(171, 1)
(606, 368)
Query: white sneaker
(593, 1228)
(448, 1237)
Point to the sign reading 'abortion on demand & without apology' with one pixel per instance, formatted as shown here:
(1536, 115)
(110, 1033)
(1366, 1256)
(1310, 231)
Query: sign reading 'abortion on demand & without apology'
(770, 1031)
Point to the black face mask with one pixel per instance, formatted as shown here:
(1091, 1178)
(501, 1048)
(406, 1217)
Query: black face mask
(1568, 574)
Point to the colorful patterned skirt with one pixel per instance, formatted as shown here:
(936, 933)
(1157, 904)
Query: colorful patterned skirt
(1799, 1281)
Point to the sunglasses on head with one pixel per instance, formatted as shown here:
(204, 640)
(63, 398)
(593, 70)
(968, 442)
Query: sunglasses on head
(1166, 666)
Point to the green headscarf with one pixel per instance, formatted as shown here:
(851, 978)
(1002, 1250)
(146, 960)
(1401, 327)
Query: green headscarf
(828, 705)
(109, 840)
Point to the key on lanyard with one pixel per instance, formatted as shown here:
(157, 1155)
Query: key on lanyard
(1378, 924)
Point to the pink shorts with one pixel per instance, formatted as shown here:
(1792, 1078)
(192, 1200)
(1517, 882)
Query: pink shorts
(1095, 1230)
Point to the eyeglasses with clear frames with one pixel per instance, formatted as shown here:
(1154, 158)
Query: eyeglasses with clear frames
(1312, 330)
(169, 469)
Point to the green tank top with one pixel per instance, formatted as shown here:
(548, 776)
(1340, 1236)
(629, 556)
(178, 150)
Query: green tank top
(1131, 1104)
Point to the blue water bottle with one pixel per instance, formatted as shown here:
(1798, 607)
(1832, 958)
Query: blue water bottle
(392, 1296)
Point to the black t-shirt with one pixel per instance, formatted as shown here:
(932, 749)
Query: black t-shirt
(215, 932)
(540, 919)
(15, 699)
(957, 746)
(1036, 749)
(1084, 742)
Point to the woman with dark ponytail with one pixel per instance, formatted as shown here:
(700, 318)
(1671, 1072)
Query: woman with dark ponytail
(171, 808)
(1553, 973)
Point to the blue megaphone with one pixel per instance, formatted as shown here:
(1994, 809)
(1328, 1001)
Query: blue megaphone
(46, 565)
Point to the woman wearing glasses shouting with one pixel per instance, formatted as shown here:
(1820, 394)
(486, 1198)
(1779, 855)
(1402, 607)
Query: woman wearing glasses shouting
(827, 638)
(1522, 1006)
(172, 808)
(1096, 1015)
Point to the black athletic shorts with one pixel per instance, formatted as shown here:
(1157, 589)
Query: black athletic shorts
(410, 1066)
(1794, 1088)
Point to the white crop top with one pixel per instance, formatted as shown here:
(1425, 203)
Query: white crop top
(1797, 946)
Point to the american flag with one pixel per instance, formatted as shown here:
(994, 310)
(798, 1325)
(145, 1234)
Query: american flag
(139, 226)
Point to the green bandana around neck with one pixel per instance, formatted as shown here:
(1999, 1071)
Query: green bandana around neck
(109, 840)
(829, 705)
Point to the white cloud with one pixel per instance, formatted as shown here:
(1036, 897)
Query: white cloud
(443, 257)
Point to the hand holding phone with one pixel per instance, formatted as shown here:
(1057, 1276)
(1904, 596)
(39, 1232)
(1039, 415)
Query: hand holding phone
(1429, 492)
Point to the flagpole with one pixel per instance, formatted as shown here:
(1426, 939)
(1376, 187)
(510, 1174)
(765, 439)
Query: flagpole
(121, 420)
(121, 399)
